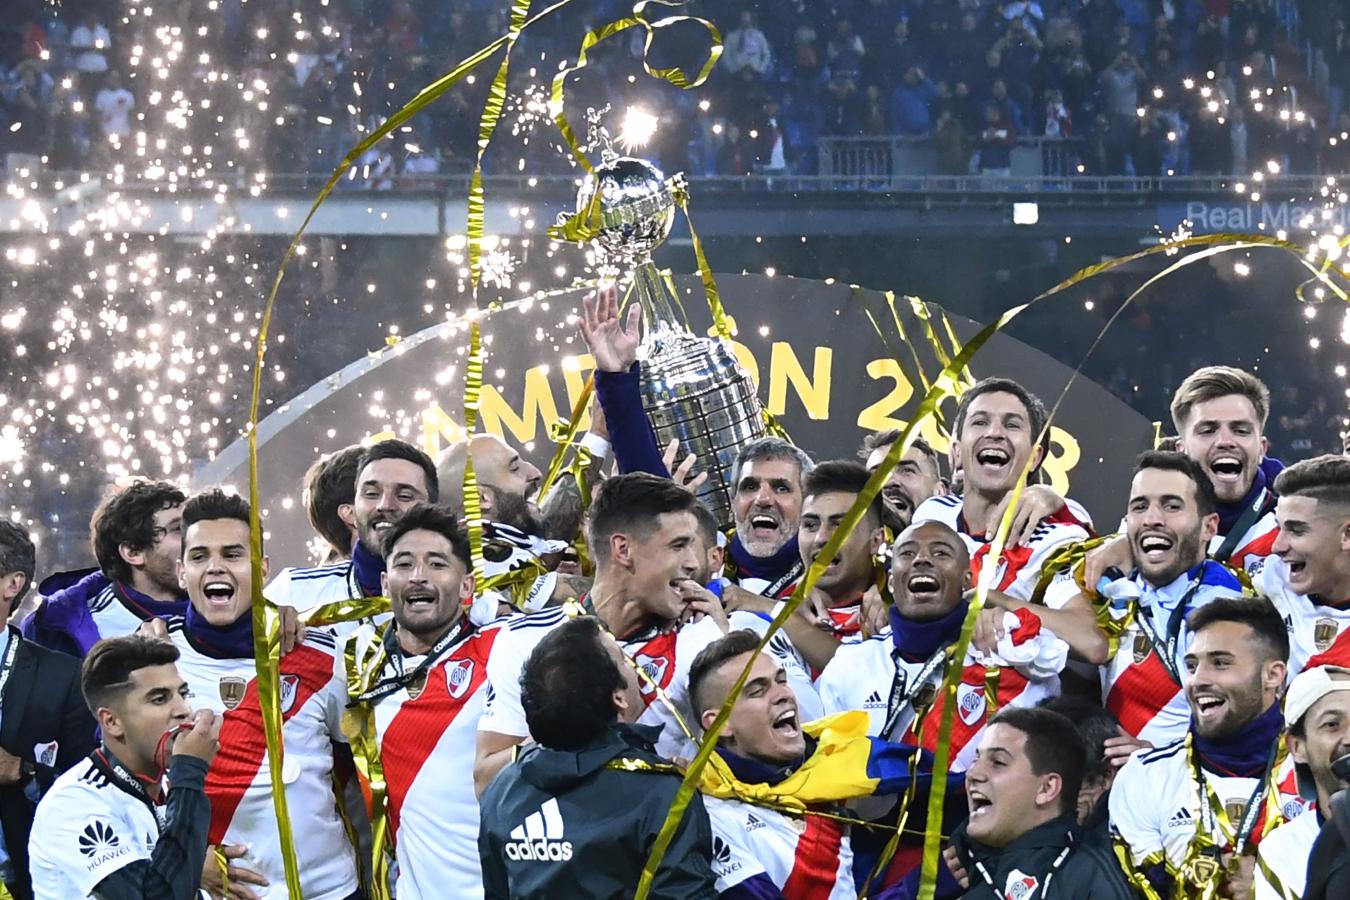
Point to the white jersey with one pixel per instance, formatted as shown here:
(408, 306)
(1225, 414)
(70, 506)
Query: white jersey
(427, 732)
(1155, 805)
(1019, 568)
(1318, 634)
(309, 588)
(798, 671)
(862, 676)
(664, 656)
(1140, 690)
(804, 856)
(313, 697)
(1253, 546)
(1282, 857)
(85, 829)
(115, 612)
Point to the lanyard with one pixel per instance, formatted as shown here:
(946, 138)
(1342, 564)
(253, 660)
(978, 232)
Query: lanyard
(1045, 885)
(901, 698)
(784, 580)
(1217, 815)
(392, 652)
(1167, 650)
(7, 664)
(1240, 528)
(112, 767)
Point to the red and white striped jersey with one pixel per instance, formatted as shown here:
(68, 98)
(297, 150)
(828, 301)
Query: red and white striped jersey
(426, 732)
(862, 673)
(664, 656)
(804, 856)
(1139, 690)
(1318, 634)
(1019, 568)
(313, 696)
(1254, 546)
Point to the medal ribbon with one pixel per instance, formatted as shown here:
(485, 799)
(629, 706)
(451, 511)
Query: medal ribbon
(901, 698)
(391, 652)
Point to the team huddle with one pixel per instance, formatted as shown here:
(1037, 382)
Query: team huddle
(1151, 713)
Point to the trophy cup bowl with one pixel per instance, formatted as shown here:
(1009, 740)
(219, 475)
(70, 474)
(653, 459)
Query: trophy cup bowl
(693, 388)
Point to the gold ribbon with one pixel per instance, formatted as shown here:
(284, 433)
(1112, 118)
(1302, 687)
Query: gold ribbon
(473, 501)
(358, 724)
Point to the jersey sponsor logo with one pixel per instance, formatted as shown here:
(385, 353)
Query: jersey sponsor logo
(1140, 648)
(1020, 886)
(232, 689)
(458, 677)
(1182, 818)
(99, 843)
(1324, 632)
(722, 862)
(539, 837)
(290, 686)
(874, 701)
(970, 702)
(753, 822)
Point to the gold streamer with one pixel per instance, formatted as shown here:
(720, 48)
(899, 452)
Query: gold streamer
(266, 643)
(358, 724)
(473, 501)
(947, 384)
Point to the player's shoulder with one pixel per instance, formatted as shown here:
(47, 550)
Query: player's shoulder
(1048, 535)
(537, 621)
(1166, 756)
(944, 508)
(305, 578)
(857, 655)
(84, 787)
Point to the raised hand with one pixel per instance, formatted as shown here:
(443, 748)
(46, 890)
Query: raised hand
(613, 342)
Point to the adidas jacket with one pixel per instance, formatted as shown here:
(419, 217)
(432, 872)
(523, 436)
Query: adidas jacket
(1035, 866)
(562, 823)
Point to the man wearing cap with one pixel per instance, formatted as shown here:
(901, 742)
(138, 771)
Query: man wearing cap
(1317, 715)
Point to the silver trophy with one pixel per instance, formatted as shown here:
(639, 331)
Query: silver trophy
(693, 388)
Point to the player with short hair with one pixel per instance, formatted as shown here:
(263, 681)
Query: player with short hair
(1193, 810)
(643, 535)
(329, 493)
(215, 643)
(127, 823)
(914, 479)
(136, 534)
(419, 687)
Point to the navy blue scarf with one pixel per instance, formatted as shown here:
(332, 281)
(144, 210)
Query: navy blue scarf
(368, 568)
(752, 771)
(917, 641)
(766, 567)
(233, 641)
(1229, 513)
(1245, 754)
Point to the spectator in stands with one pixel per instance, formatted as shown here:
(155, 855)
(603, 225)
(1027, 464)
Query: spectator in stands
(1238, 141)
(28, 99)
(806, 60)
(1098, 20)
(842, 103)
(951, 143)
(997, 138)
(114, 104)
(845, 48)
(911, 103)
(1009, 107)
(1057, 121)
(1146, 145)
(747, 48)
(90, 42)
(1027, 12)
(1020, 54)
(887, 66)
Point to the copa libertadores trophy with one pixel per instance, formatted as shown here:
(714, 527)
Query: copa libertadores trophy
(693, 388)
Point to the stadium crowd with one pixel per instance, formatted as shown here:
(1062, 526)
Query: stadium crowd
(1141, 87)
(1160, 712)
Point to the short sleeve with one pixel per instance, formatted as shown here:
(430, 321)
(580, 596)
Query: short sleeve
(1129, 803)
(1061, 590)
(502, 710)
(85, 839)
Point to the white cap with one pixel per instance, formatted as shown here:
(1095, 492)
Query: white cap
(1312, 685)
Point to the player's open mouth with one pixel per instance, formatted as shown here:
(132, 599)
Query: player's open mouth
(979, 804)
(763, 526)
(1226, 468)
(1296, 569)
(1155, 547)
(834, 562)
(785, 724)
(1209, 705)
(419, 598)
(922, 584)
(993, 457)
(218, 593)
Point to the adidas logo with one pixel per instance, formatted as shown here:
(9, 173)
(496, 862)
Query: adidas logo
(539, 837)
(1180, 818)
(753, 822)
(874, 701)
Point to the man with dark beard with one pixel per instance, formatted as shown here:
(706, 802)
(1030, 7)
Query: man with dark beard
(391, 477)
(1194, 810)
(1169, 520)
